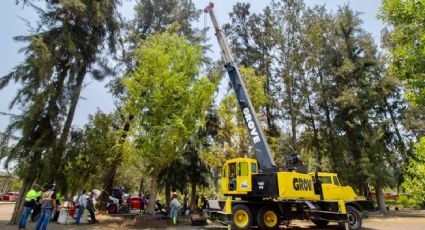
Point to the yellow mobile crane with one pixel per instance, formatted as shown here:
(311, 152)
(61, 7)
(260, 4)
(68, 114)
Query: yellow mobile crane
(265, 194)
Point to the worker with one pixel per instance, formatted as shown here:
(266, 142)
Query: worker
(174, 208)
(29, 204)
(185, 200)
(90, 207)
(232, 183)
(37, 208)
(83, 205)
(48, 203)
(58, 203)
(142, 201)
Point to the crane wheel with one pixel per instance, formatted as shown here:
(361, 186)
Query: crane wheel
(354, 219)
(268, 218)
(241, 217)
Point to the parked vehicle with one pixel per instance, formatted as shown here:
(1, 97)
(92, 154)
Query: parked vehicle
(10, 196)
(117, 202)
(135, 202)
(114, 206)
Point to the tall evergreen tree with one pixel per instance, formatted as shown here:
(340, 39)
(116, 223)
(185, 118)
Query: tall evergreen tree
(62, 51)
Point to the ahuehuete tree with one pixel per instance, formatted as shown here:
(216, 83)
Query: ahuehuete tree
(168, 99)
(150, 17)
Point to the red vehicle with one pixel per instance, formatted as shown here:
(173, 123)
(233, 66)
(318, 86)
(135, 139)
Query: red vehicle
(10, 196)
(135, 202)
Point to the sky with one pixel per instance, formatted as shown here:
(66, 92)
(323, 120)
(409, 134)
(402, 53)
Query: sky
(95, 95)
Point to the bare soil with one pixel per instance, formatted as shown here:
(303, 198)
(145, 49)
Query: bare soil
(406, 219)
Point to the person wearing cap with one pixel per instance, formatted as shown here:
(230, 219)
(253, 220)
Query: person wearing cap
(29, 204)
(174, 208)
(48, 203)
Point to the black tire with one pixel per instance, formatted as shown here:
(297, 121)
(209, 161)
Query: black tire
(354, 219)
(320, 223)
(268, 218)
(241, 217)
(112, 209)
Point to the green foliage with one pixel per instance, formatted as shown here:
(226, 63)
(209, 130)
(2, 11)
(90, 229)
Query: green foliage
(406, 201)
(232, 138)
(167, 97)
(407, 45)
(414, 180)
(91, 151)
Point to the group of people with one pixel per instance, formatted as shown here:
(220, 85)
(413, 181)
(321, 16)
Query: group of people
(43, 201)
(46, 202)
(86, 202)
(176, 207)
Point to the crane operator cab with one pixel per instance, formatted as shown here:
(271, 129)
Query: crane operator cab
(236, 176)
(242, 177)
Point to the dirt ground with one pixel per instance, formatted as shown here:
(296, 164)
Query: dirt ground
(404, 220)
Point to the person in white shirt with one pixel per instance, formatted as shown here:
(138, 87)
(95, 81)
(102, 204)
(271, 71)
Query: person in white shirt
(174, 208)
(83, 205)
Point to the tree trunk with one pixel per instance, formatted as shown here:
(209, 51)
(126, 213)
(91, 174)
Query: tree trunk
(193, 201)
(380, 199)
(167, 195)
(292, 113)
(142, 186)
(401, 144)
(26, 186)
(110, 176)
(152, 195)
(107, 185)
(315, 135)
(28, 180)
(329, 130)
(53, 112)
(60, 147)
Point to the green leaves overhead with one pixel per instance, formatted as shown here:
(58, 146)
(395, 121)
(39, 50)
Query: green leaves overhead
(406, 44)
(415, 175)
(167, 97)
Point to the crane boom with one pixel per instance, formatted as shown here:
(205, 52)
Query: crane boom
(261, 148)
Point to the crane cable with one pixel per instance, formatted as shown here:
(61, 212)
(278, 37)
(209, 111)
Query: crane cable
(204, 42)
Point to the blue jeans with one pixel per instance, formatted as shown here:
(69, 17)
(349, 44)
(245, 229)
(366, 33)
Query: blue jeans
(80, 213)
(44, 219)
(24, 217)
(92, 215)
